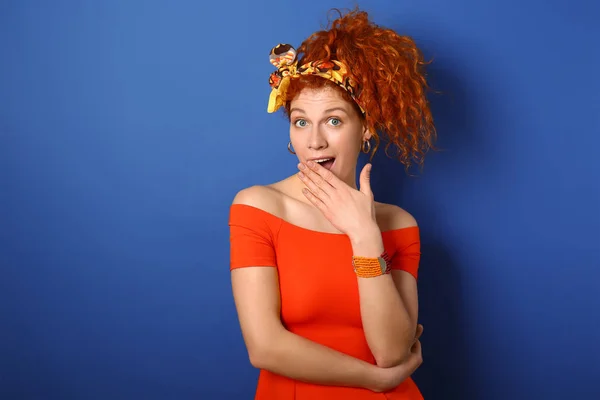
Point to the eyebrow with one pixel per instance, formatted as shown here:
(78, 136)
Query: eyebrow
(325, 112)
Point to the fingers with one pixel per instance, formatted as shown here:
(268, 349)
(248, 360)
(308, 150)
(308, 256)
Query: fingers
(316, 201)
(396, 375)
(418, 353)
(320, 175)
(314, 184)
(416, 349)
(418, 333)
(327, 175)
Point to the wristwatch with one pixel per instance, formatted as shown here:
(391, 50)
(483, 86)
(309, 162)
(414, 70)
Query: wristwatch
(368, 267)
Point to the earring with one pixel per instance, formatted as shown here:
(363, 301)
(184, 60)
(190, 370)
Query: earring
(368, 146)
(290, 147)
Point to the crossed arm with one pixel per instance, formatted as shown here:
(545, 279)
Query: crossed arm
(273, 348)
(388, 306)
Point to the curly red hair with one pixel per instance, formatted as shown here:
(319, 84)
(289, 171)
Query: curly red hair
(390, 71)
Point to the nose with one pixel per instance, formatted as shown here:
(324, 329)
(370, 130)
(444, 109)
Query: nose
(317, 139)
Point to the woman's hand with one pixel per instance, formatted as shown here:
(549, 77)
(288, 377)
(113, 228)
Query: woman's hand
(349, 210)
(389, 378)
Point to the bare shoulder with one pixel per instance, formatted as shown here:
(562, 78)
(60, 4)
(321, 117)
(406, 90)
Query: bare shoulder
(264, 197)
(390, 217)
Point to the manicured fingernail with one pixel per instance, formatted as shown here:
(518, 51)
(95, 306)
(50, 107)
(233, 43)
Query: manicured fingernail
(311, 164)
(301, 174)
(301, 166)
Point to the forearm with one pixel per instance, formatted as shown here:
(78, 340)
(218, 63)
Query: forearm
(386, 320)
(298, 358)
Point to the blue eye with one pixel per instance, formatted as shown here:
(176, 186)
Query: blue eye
(335, 121)
(300, 123)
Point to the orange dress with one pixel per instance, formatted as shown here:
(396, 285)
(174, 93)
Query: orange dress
(319, 293)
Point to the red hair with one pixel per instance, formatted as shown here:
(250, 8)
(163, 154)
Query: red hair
(390, 71)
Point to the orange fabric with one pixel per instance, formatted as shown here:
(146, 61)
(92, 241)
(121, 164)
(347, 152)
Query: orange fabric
(319, 293)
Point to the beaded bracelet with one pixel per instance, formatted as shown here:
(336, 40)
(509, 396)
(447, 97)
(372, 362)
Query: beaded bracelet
(370, 267)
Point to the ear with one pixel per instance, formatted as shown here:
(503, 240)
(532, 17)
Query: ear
(366, 134)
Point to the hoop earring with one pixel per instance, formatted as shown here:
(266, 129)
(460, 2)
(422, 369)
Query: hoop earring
(290, 147)
(368, 145)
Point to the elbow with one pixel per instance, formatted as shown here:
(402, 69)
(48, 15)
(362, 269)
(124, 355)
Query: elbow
(392, 356)
(256, 358)
(258, 354)
(390, 360)
(261, 351)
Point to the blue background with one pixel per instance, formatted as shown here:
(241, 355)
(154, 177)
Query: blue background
(126, 128)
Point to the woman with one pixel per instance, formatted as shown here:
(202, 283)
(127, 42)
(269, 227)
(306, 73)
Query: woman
(324, 277)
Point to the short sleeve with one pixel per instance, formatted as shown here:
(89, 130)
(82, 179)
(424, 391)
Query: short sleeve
(251, 238)
(407, 253)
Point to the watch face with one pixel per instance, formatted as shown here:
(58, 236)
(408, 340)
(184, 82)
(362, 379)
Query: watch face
(382, 265)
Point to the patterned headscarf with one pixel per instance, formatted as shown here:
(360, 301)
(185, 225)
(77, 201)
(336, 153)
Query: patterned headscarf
(283, 57)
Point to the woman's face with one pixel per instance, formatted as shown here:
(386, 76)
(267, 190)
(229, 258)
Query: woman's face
(324, 125)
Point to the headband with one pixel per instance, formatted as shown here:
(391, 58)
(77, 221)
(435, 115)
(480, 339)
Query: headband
(283, 57)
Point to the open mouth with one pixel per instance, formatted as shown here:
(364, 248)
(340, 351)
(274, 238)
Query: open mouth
(326, 163)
